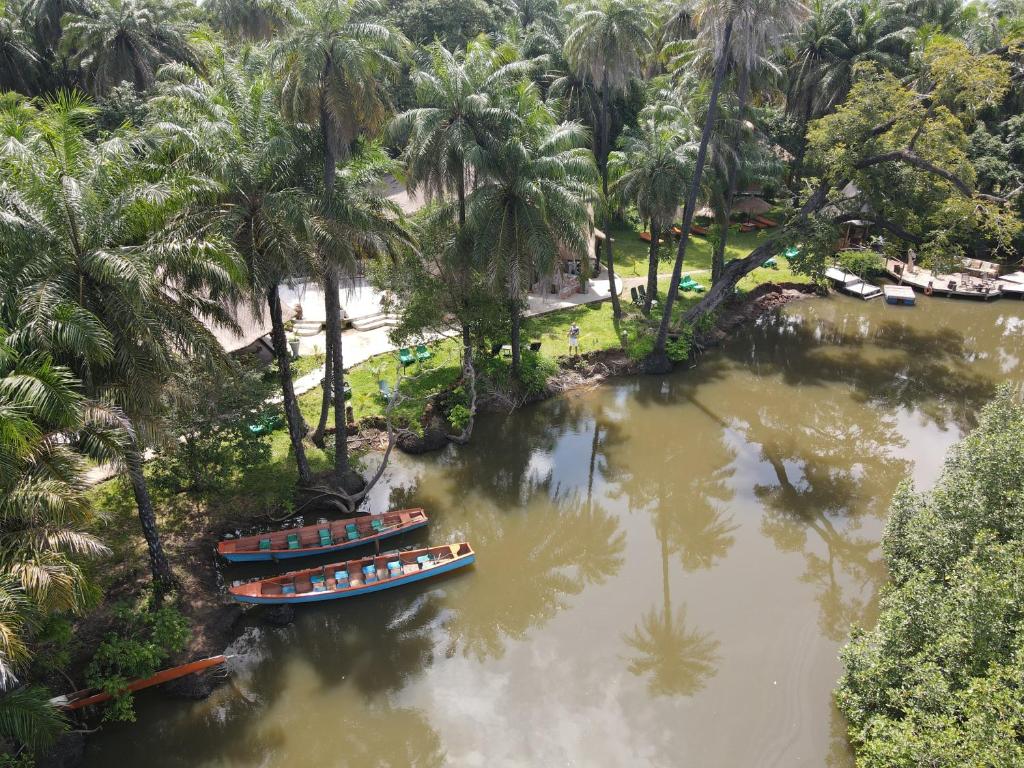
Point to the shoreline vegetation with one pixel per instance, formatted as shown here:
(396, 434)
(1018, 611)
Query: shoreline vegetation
(169, 169)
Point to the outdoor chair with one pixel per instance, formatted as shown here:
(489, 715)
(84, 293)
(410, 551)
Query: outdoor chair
(405, 357)
(535, 346)
(635, 295)
(422, 353)
(495, 349)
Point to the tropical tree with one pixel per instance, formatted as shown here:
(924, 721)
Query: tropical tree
(251, 19)
(460, 106)
(20, 62)
(101, 277)
(228, 127)
(609, 41)
(335, 68)
(652, 170)
(115, 41)
(530, 202)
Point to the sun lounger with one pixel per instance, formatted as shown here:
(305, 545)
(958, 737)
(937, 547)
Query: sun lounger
(422, 353)
(765, 221)
(697, 229)
(405, 357)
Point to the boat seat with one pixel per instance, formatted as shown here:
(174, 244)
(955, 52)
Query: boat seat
(394, 568)
(352, 535)
(325, 537)
(293, 541)
(303, 584)
(377, 525)
(288, 589)
(341, 577)
(270, 588)
(264, 544)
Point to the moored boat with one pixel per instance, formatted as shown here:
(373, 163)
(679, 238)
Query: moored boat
(321, 538)
(355, 577)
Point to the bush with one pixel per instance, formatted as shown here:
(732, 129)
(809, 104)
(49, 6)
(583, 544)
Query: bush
(637, 339)
(938, 681)
(678, 350)
(142, 641)
(861, 262)
(458, 416)
(212, 411)
(534, 372)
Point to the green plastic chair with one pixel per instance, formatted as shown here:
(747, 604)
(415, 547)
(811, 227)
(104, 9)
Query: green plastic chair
(422, 353)
(325, 537)
(264, 543)
(293, 541)
(405, 357)
(377, 525)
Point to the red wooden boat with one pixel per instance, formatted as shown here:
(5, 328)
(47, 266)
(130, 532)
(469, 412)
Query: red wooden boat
(89, 696)
(321, 538)
(355, 577)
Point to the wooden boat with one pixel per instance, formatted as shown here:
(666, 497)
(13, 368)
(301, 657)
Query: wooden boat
(90, 696)
(355, 577)
(321, 538)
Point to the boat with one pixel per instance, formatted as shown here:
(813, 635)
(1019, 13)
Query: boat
(89, 696)
(354, 577)
(321, 538)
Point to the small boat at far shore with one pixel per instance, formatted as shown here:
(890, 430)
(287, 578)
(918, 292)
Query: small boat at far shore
(355, 577)
(321, 538)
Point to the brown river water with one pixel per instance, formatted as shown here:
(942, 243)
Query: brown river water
(667, 567)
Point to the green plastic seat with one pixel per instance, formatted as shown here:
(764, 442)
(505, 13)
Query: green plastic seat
(293, 541)
(264, 543)
(422, 353)
(325, 537)
(405, 356)
(377, 525)
(352, 535)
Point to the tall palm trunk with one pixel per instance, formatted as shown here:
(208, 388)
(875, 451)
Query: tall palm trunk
(516, 313)
(284, 369)
(732, 179)
(652, 267)
(163, 578)
(605, 150)
(332, 290)
(328, 391)
(718, 254)
(658, 361)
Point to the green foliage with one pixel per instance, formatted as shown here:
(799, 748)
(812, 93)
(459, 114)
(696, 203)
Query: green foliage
(452, 22)
(535, 371)
(937, 681)
(637, 338)
(863, 262)
(459, 416)
(212, 410)
(27, 718)
(678, 349)
(142, 641)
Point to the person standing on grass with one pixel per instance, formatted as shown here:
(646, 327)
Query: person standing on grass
(574, 339)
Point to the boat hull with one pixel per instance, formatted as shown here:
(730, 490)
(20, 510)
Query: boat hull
(292, 554)
(320, 597)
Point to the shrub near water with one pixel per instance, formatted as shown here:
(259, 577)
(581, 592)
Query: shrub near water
(940, 680)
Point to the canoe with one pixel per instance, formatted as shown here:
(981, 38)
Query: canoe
(355, 577)
(90, 696)
(321, 538)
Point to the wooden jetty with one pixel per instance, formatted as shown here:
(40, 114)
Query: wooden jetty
(1012, 285)
(959, 284)
(899, 294)
(847, 282)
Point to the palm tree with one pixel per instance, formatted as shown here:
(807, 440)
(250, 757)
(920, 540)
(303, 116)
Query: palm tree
(356, 222)
(655, 171)
(99, 277)
(459, 108)
(609, 41)
(335, 68)
(716, 20)
(20, 63)
(251, 19)
(228, 127)
(115, 41)
(531, 199)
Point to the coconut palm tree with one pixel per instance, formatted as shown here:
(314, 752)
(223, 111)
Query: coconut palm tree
(531, 199)
(228, 127)
(356, 222)
(655, 168)
(335, 66)
(459, 108)
(20, 62)
(102, 279)
(251, 19)
(609, 41)
(115, 41)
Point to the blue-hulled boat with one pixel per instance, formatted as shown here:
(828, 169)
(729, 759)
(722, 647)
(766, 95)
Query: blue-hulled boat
(322, 538)
(355, 577)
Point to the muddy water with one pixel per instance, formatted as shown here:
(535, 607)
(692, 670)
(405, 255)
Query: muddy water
(666, 567)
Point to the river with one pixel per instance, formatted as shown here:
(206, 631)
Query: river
(667, 567)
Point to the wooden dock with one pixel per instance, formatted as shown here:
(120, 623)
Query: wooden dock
(959, 284)
(899, 294)
(1012, 285)
(847, 282)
